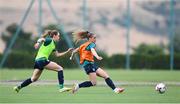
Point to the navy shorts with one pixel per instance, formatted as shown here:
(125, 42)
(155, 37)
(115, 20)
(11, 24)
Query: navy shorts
(39, 64)
(90, 68)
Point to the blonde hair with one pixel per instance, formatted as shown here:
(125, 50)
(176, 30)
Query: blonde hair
(80, 35)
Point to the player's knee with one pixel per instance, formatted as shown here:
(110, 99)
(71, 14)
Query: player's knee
(60, 68)
(105, 77)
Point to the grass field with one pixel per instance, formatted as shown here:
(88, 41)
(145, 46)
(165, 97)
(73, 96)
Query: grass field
(39, 93)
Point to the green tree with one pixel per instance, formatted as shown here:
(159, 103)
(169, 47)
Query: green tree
(23, 42)
(144, 49)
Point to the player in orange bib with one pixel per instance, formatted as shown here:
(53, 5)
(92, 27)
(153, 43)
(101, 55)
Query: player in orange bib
(87, 53)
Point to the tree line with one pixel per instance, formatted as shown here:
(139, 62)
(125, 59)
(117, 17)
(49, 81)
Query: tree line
(144, 56)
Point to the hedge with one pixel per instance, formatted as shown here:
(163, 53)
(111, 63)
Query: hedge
(26, 60)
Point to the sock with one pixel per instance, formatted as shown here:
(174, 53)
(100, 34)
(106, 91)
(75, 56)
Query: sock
(85, 84)
(61, 79)
(110, 83)
(25, 83)
(61, 86)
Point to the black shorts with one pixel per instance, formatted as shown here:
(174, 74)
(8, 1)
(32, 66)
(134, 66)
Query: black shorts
(39, 64)
(90, 68)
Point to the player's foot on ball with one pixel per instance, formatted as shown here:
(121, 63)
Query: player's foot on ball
(16, 89)
(75, 88)
(65, 89)
(118, 90)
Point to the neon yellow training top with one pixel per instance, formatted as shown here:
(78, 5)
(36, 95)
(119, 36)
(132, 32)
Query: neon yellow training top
(46, 49)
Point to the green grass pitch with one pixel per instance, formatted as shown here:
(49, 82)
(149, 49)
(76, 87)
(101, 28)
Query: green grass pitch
(99, 94)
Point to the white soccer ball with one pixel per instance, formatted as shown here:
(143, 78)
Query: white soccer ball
(161, 88)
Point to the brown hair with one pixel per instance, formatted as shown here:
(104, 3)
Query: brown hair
(81, 34)
(54, 32)
(46, 33)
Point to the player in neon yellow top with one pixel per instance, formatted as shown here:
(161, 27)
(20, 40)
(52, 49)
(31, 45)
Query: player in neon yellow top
(46, 45)
(46, 50)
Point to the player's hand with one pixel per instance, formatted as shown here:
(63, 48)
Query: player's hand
(71, 58)
(36, 45)
(99, 58)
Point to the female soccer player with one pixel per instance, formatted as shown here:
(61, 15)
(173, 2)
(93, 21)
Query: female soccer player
(46, 45)
(87, 53)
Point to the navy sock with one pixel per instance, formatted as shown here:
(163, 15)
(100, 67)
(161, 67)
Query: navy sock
(85, 84)
(61, 78)
(25, 83)
(110, 83)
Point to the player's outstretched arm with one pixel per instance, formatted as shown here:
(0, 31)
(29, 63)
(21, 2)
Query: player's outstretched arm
(58, 54)
(73, 52)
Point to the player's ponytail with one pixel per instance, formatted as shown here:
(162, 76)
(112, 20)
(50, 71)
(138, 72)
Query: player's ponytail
(80, 35)
(46, 33)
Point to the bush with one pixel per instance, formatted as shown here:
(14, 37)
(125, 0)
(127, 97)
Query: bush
(149, 62)
(177, 61)
(144, 61)
(19, 60)
(26, 60)
(116, 61)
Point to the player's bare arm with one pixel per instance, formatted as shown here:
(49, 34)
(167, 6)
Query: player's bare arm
(95, 54)
(58, 54)
(40, 40)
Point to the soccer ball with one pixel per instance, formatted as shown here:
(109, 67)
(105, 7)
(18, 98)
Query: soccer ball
(161, 88)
